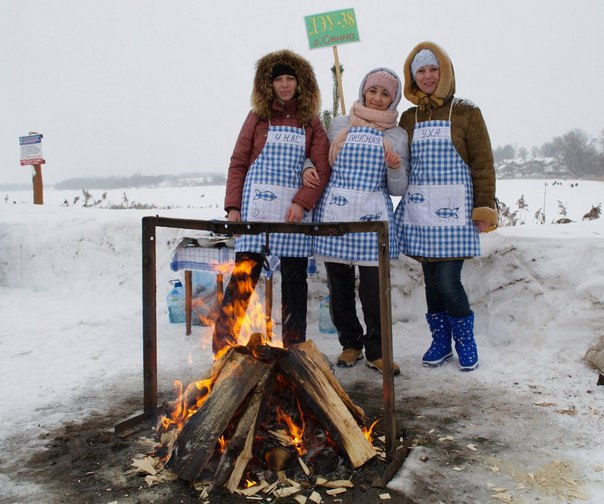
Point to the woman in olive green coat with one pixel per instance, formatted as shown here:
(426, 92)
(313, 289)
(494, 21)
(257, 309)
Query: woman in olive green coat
(450, 198)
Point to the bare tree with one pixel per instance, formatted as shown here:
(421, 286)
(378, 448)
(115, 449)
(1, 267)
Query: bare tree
(503, 153)
(523, 153)
(579, 154)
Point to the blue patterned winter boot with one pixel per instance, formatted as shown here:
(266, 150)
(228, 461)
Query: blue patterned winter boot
(440, 349)
(465, 346)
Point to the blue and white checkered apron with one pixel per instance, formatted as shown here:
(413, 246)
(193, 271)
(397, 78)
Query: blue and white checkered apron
(270, 186)
(434, 218)
(357, 192)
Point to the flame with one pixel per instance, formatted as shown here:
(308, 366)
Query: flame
(220, 353)
(368, 431)
(222, 444)
(182, 412)
(246, 315)
(295, 432)
(330, 440)
(249, 483)
(282, 381)
(223, 268)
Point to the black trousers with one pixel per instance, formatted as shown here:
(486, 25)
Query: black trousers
(341, 279)
(241, 285)
(294, 299)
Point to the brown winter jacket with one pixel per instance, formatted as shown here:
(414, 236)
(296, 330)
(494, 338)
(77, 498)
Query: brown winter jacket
(302, 111)
(468, 129)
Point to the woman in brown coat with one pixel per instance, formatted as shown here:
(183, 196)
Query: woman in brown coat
(450, 198)
(264, 183)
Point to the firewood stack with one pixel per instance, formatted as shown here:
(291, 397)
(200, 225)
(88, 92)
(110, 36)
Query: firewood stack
(267, 408)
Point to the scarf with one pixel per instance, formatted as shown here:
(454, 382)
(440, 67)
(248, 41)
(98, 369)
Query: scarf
(363, 116)
(428, 103)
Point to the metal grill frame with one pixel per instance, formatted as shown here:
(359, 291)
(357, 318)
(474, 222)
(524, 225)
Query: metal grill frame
(394, 454)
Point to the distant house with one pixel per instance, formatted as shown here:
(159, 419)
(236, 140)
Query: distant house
(535, 168)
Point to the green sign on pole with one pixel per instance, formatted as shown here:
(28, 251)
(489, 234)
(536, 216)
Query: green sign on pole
(332, 28)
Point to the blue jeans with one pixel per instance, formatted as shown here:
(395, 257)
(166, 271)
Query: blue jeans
(444, 290)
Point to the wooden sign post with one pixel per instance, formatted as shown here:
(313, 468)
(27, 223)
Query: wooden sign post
(339, 79)
(331, 29)
(31, 154)
(38, 185)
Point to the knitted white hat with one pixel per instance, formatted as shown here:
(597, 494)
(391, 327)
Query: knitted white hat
(423, 58)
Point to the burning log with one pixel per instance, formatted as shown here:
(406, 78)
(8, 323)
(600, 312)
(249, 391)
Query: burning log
(308, 354)
(197, 440)
(306, 367)
(238, 452)
(194, 395)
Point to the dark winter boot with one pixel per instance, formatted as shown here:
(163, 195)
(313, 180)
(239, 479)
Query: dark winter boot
(440, 350)
(462, 330)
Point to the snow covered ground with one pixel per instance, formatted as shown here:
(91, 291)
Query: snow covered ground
(526, 425)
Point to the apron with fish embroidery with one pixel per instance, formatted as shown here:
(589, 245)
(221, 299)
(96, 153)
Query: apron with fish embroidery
(434, 217)
(269, 189)
(357, 192)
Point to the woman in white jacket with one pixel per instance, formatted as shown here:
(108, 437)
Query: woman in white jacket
(370, 162)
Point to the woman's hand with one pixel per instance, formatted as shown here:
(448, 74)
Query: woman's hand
(295, 213)
(393, 160)
(234, 215)
(310, 177)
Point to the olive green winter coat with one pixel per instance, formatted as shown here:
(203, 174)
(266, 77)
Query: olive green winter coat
(468, 130)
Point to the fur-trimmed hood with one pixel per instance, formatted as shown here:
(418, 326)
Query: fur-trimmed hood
(446, 85)
(308, 94)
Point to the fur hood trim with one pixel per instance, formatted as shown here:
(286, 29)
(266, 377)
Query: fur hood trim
(308, 94)
(446, 85)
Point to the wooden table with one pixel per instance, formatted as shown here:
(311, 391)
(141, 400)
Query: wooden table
(204, 254)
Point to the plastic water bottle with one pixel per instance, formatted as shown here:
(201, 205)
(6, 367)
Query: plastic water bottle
(176, 303)
(312, 266)
(325, 324)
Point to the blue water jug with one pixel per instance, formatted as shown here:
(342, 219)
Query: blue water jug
(325, 324)
(176, 303)
(311, 269)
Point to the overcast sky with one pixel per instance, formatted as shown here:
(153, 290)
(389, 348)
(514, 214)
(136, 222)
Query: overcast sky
(119, 87)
